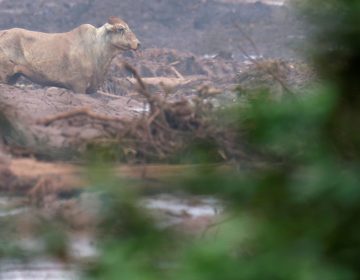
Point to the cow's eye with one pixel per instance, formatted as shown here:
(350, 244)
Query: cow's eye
(120, 30)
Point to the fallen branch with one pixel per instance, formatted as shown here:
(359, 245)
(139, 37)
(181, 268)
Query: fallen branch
(108, 94)
(78, 112)
(267, 70)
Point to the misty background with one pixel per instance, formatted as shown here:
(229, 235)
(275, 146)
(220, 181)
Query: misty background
(199, 26)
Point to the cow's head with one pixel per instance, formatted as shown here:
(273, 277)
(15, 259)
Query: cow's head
(121, 35)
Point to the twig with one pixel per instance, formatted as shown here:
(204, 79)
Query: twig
(108, 94)
(254, 61)
(217, 224)
(177, 73)
(78, 112)
(142, 86)
(248, 38)
(139, 80)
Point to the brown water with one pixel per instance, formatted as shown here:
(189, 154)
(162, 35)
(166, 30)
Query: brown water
(168, 211)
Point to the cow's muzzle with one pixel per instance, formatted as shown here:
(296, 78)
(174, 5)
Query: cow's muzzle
(135, 46)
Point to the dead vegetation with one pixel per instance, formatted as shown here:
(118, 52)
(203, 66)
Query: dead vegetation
(165, 126)
(156, 134)
(134, 118)
(279, 77)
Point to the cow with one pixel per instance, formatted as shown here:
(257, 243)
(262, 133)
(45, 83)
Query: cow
(77, 60)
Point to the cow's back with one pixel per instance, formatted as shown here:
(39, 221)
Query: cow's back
(77, 59)
(23, 46)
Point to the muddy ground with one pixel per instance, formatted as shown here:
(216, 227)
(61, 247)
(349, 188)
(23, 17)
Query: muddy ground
(190, 48)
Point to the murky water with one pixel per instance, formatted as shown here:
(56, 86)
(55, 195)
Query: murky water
(40, 269)
(11, 206)
(168, 211)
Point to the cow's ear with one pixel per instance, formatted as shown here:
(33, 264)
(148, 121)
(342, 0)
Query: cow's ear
(110, 27)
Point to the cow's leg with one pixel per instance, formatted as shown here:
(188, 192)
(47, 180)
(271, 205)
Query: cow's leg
(78, 88)
(91, 90)
(2, 78)
(6, 71)
(26, 72)
(6, 78)
(13, 79)
(9, 72)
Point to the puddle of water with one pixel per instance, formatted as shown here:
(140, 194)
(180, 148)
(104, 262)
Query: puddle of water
(40, 269)
(14, 212)
(171, 204)
(11, 206)
(82, 247)
(168, 210)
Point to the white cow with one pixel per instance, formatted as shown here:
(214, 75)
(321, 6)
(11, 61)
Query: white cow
(77, 60)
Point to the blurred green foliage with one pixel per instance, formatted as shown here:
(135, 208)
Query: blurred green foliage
(296, 216)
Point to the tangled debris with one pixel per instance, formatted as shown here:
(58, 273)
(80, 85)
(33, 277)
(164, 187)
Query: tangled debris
(275, 76)
(160, 131)
(165, 129)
